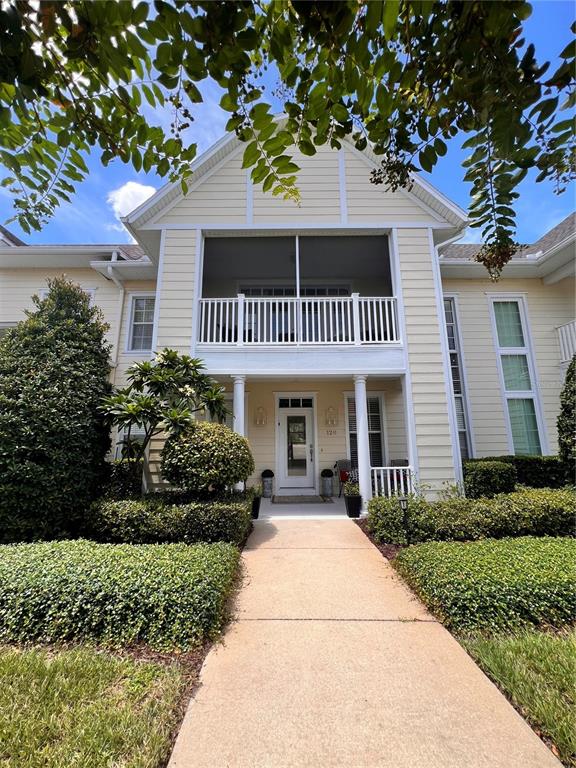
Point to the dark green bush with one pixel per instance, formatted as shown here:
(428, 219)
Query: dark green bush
(530, 512)
(567, 420)
(152, 520)
(124, 480)
(170, 596)
(532, 471)
(494, 585)
(488, 478)
(206, 456)
(53, 374)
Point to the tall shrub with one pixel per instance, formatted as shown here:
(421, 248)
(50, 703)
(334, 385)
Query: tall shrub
(53, 374)
(567, 417)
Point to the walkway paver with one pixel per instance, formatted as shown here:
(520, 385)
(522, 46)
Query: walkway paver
(331, 662)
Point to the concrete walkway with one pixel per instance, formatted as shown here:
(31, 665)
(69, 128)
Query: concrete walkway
(330, 661)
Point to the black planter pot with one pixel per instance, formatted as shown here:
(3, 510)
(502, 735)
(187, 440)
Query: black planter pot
(256, 507)
(353, 505)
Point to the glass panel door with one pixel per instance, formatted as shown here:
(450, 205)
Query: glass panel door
(295, 445)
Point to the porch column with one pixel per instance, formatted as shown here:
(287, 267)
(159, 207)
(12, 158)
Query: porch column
(364, 479)
(238, 405)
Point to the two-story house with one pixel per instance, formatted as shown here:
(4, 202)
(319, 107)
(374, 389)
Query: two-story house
(350, 326)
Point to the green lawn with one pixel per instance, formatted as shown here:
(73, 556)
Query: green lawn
(536, 670)
(81, 707)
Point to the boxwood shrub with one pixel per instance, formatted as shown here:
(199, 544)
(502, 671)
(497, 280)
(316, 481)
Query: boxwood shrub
(488, 478)
(170, 596)
(154, 520)
(533, 471)
(529, 512)
(494, 585)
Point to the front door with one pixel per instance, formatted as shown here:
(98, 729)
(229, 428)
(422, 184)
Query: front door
(296, 448)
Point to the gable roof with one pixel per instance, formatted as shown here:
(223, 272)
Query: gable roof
(559, 235)
(8, 238)
(228, 144)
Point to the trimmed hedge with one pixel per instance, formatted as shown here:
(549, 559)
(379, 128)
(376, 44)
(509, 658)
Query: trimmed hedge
(533, 471)
(494, 585)
(530, 512)
(169, 597)
(154, 521)
(488, 478)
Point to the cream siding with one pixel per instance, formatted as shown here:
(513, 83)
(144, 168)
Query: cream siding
(177, 290)
(371, 203)
(548, 306)
(425, 358)
(219, 198)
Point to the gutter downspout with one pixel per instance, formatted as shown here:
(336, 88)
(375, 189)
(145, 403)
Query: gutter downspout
(120, 312)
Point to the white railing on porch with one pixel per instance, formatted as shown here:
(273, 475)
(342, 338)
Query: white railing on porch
(567, 339)
(392, 481)
(275, 321)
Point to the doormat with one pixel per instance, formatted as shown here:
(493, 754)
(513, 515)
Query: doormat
(302, 500)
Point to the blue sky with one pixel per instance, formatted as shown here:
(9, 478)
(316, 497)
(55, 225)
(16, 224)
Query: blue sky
(115, 190)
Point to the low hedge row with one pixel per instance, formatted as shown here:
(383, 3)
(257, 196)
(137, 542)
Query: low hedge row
(532, 471)
(488, 478)
(530, 512)
(156, 520)
(494, 585)
(169, 597)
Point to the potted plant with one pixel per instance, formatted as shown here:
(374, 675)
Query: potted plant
(352, 499)
(267, 483)
(256, 499)
(326, 482)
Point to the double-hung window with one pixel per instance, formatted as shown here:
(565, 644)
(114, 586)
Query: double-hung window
(517, 375)
(457, 374)
(375, 431)
(141, 324)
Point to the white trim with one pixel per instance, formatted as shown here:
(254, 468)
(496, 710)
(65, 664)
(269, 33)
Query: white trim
(528, 351)
(448, 386)
(294, 226)
(197, 292)
(342, 186)
(410, 422)
(466, 400)
(159, 280)
(132, 295)
(277, 409)
(249, 199)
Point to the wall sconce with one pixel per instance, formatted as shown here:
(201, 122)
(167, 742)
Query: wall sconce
(331, 417)
(260, 416)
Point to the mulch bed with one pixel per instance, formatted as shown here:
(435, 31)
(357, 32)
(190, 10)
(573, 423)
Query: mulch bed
(389, 551)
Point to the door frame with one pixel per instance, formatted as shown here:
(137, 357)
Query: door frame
(277, 409)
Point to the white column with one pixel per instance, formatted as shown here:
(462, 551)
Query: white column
(238, 405)
(364, 479)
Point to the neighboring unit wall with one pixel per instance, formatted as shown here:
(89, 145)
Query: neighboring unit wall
(548, 306)
(436, 461)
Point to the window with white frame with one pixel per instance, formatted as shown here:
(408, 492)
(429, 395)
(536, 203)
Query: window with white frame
(255, 291)
(375, 430)
(43, 293)
(5, 327)
(517, 375)
(141, 324)
(456, 369)
(228, 419)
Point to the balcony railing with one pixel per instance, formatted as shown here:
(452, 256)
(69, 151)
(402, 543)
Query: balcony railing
(392, 481)
(351, 320)
(567, 339)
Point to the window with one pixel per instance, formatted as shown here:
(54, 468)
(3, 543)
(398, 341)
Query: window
(295, 402)
(455, 354)
(5, 327)
(228, 419)
(375, 435)
(43, 292)
(142, 324)
(255, 291)
(516, 366)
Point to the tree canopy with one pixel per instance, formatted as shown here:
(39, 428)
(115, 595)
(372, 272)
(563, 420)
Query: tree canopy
(404, 76)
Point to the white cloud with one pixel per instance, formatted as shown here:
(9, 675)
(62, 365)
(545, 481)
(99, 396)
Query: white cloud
(472, 236)
(128, 197)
